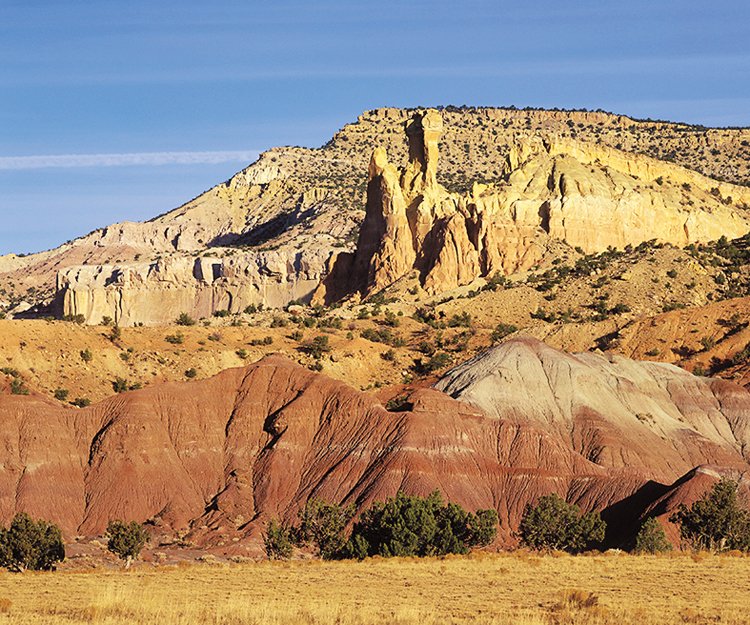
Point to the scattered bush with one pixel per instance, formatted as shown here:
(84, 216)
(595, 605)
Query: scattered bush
(86, 356)
(462, 320)
(317, 346)
(437, 361)
(323, 524)
(419, 526)
(81, 402)
(126, 540)
(175, 339)
(185, 320)
(79, 319)
(555, 524)
(715, 522)
(651, 538)
(278, 540)
(388, 355)
(17, 387)
(61, 394)
(115, 334)
(191, 373)
(30, 545)
(501, 331)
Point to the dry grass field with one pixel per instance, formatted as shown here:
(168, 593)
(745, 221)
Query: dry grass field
(518, 589)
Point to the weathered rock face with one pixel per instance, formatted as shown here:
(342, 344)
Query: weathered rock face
(157, 292)
(295, 199)
(217, 458)
(587, 195)
(617, 412)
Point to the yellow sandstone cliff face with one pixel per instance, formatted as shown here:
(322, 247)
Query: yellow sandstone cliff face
(586, 195)
(275, 229)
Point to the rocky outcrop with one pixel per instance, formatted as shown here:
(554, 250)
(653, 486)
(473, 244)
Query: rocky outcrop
(589, 196)
(212, 461)
(541, 176)
(617, 412)
(158, 292)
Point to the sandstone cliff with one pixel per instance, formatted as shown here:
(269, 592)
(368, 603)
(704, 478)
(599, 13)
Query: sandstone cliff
(295, 200)
(589, 196)
(212, 461)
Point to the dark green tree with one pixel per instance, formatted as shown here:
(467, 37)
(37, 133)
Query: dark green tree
(557, 525)
(30, 545)
(407, 525)
(717, 521)
(126, 540)
(278, 540)
(651, 538)
(324, 524)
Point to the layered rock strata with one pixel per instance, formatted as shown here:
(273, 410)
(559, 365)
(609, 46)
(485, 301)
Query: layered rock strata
(589, 196)
(212, 461)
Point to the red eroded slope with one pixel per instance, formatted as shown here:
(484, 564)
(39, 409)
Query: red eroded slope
(213, 460)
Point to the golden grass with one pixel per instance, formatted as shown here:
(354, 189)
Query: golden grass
(517, 589)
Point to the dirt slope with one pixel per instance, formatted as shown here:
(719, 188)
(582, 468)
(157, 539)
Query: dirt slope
(209, 462)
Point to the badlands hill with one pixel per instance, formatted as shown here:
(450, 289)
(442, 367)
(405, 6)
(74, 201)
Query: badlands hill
(526, 183)
(394, 288)
(208, 463)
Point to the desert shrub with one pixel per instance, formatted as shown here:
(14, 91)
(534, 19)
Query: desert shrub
(17, 387)
(496, 281)
(86, 355)
(388, 355)
(251, 309)
(501, 331)
(324, 524)
(126, 540)
(278, 540)
(115, 334)
(419, 526)
(81, 402)
(266, 340)
(61, 394)
(462, 320)
(119, 385)
(106, 320)
(557, 525)
(30, 545)
(391, 319)
(175, 339)
(221, 313)
(651, 538)
(381, 335)
(185, 320)
(717, 521)
(317, 346)
(191, 373)
(79, 319)
(242, 353)
(439, 360)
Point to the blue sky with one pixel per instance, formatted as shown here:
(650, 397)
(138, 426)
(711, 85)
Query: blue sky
(153, 86)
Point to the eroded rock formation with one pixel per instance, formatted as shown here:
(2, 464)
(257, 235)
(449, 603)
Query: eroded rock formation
(212, 461)
(589, 196)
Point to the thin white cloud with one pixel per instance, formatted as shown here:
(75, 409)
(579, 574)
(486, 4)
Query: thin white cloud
(125, 160)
